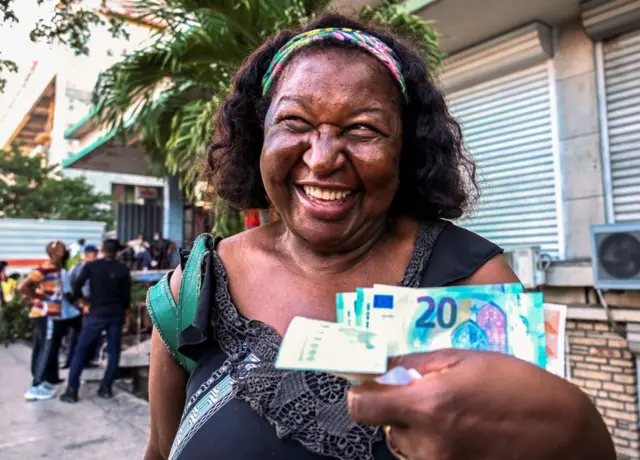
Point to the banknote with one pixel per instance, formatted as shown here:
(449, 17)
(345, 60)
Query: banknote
(364, 300)
(332, 347)
(433, 320)
(377, 308)
(345, 308)
(555, 320)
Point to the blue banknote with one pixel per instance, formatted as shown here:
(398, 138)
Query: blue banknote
(497, 318)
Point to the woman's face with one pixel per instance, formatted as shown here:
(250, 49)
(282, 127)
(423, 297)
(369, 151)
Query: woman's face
(332, 142)
(58, 253)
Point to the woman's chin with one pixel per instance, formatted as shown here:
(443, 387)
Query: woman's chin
(324, 235)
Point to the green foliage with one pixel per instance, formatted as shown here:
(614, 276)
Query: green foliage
(71, 24)
(227, 221)
(420, 32)
(30, 190)
(6, 66)
(14, 320)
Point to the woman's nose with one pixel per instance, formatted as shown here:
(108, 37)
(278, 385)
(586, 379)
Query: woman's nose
(327, 151)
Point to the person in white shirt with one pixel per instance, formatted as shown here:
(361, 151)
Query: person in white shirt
(141, 251)
(76, 248)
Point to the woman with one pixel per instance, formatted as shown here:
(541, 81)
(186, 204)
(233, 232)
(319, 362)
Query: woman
(45, 288)
(351, 142)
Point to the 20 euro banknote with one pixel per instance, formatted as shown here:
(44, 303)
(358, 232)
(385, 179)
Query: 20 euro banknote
(505, 323)
(482, 317)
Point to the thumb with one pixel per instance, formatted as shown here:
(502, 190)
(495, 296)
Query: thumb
(377, 404)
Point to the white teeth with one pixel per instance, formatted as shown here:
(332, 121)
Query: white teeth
(325, 193)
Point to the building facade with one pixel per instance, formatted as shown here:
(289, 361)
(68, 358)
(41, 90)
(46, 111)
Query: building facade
(548, 95)
(56, 97)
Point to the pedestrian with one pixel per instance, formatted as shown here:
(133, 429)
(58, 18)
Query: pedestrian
(110, 288)
(75, 252)
(74, 325)
(141, 251)
(77, 248)
(3, 279)
(45, 288)
(161, 250)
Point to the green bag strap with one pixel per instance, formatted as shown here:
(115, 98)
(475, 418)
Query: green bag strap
(191, 282)
(170, 319)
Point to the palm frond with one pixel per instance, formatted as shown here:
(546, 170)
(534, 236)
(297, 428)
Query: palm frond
(420, 32)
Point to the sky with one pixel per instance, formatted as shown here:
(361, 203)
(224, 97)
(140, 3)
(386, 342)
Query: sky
(17, 47)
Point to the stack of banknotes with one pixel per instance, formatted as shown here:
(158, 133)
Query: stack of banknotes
(374, 324)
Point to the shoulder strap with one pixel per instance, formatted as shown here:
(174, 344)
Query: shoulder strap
(456, 254)
(170, 318)
(191, 281)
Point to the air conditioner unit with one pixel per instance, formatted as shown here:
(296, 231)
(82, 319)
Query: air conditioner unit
(529, 264)
(615, 252)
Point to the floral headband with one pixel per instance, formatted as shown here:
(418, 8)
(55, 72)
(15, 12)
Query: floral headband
(367, 42)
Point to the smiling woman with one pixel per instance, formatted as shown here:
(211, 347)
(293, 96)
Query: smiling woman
(339, 127)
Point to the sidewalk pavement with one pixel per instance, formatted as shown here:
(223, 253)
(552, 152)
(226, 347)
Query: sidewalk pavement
(94, 428)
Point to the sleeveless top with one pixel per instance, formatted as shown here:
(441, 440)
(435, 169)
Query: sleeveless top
(239, 406)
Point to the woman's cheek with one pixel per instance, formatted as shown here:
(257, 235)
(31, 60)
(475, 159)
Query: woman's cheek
(379, 170)
(280, 153)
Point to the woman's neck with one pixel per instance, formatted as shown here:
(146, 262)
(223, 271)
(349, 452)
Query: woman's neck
(305, 257)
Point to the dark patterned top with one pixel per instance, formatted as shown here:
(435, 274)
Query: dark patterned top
(239, 406)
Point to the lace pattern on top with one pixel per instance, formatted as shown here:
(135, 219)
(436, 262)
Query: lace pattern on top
(309, 407)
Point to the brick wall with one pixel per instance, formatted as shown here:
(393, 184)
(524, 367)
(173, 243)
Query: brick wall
(603, 367)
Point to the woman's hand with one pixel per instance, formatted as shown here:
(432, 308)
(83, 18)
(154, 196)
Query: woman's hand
(476, 405)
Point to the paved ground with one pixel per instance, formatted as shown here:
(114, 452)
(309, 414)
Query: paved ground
(94, 428)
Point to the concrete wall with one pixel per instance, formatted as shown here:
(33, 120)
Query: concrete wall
(579, 137)
(601, 364)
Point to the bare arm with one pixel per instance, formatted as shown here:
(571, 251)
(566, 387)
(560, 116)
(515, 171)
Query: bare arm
(167, 386)
(29, 287)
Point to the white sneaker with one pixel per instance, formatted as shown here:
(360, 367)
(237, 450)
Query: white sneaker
(30, 395)
(42, 392)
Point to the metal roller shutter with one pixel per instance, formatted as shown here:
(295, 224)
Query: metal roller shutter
(509, 131)
(622, 87)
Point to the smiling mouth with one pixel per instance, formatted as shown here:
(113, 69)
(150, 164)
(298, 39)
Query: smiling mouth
(327, 203)
(325, 194)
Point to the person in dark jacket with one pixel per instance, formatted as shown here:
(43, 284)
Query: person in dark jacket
(110, 288)
(74, 326)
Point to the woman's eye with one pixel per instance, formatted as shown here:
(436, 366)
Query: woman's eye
(297, 123)
(359, 128)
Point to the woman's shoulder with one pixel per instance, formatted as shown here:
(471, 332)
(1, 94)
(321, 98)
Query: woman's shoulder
(456, 255)
(250, 243)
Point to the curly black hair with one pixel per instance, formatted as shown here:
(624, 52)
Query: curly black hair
(437, 176)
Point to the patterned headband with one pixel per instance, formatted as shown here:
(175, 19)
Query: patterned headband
(367, 42)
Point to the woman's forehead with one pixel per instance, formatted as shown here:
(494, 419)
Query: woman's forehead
(321, 74)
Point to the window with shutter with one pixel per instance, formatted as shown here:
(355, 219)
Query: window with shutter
(508, 129)
(621, 68)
